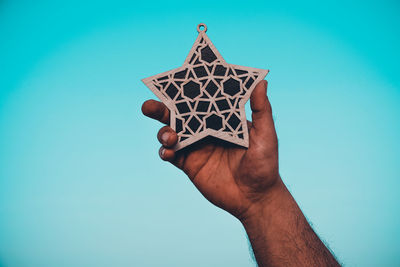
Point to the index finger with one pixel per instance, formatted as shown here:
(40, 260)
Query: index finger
(156, 110)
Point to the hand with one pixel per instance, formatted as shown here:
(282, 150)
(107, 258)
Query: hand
(231, 177)
(246, 183)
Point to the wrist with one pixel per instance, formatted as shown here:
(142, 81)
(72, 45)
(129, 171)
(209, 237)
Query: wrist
(268, 203)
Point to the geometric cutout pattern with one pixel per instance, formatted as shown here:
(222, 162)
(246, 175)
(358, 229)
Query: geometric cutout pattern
(206, 96)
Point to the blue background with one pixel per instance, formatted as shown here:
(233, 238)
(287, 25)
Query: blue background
(81, 183)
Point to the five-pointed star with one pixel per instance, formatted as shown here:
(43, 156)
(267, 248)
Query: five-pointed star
(206, 96)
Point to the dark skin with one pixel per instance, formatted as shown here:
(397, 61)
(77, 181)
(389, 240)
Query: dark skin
(247, 184)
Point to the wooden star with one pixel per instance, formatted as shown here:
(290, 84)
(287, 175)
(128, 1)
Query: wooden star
(206, 96)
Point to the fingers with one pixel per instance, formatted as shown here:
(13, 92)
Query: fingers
(260, 106)
(156, 110)
(168, 138)
(258, 97)
(263, 128)
(166, 154)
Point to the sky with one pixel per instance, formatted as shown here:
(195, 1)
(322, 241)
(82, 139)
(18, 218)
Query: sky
(81, 183)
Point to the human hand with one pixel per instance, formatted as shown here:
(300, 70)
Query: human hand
(246, 183)
(233, 178)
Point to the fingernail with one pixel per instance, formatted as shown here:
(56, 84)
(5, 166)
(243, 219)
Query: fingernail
(165, 137)
(161, 152)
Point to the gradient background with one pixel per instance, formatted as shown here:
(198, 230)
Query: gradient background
(81, 183)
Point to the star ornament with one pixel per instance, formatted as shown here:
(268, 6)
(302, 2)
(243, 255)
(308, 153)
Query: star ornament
(206, 96)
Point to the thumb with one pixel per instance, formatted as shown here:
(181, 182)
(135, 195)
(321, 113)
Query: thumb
(260, 106)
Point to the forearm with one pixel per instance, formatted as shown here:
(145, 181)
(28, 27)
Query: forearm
(280, 234)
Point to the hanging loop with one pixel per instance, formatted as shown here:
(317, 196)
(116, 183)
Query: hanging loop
(201, 27)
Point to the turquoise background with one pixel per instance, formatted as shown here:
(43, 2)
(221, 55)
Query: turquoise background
(81, 183)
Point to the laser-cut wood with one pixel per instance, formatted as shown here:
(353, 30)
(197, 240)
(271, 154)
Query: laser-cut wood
(206, 96)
